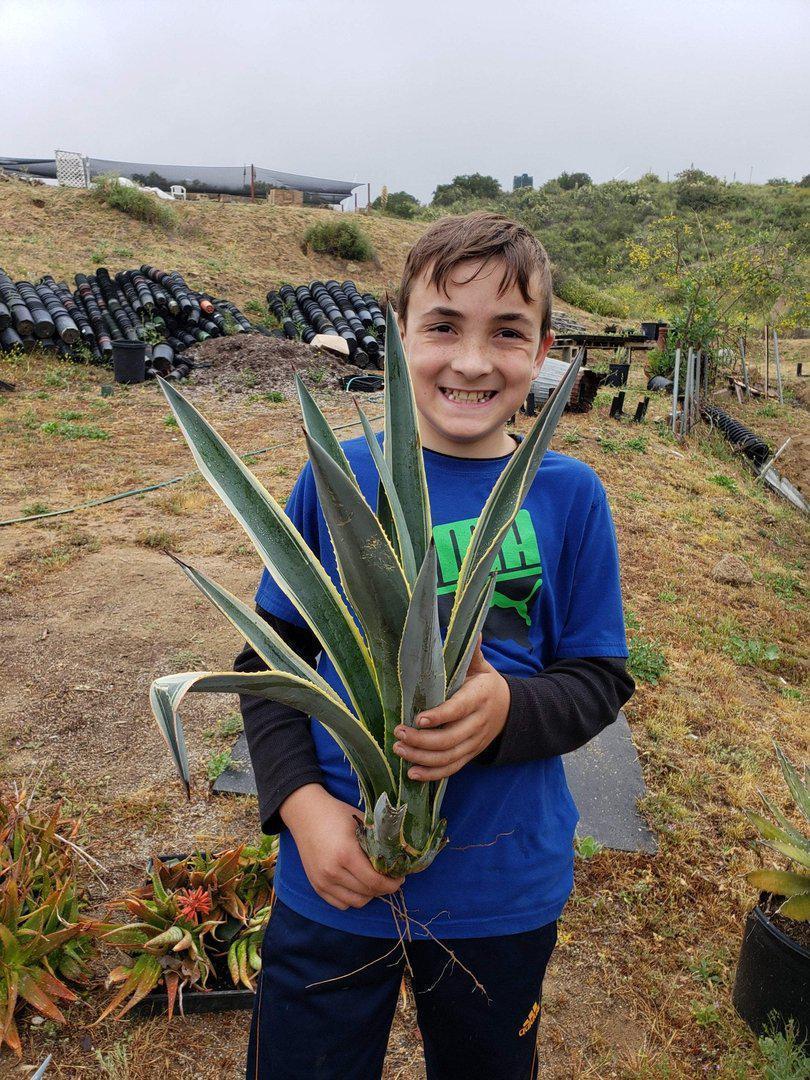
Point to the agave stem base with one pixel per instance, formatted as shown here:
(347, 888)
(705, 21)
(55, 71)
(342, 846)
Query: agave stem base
(382, 837)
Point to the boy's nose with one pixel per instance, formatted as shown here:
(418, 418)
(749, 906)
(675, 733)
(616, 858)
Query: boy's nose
(471, 362)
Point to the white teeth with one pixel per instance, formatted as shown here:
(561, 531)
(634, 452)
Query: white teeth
(467, 395)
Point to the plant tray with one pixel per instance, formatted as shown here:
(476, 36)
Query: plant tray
(221, 997)
(198, 1001)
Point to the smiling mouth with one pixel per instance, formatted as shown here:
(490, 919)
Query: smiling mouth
(467, 397)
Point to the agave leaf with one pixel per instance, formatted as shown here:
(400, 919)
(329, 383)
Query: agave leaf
(460, 674)
(403, 545)
(777, 839)
(780, 882)
(285, 554)
(365, 756)
(421, 675)
(792, 833)
(797, 907)
(402, 442)
(475, 627)
(41, 1070)
(371, 575)
(798, 786)
(319, 430)
(498, 513)
(272, 648)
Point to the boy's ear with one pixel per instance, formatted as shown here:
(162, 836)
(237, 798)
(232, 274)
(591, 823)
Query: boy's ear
(542, 352)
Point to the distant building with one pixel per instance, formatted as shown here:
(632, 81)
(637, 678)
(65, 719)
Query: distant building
(522, 181)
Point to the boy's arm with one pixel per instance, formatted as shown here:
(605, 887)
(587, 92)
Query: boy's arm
(281, 747)
(560, 709)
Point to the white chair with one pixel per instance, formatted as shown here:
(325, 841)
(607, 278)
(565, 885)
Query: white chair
(177, 191)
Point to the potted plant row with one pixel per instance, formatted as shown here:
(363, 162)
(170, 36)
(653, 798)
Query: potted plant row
(772, 984)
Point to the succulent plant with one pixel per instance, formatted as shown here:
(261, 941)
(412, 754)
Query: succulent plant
(780, 835)
(398, 666)
(197, 917)
(43, 937)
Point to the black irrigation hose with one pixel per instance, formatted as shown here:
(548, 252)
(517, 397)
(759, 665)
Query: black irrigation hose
(751, 445)
(154, 487)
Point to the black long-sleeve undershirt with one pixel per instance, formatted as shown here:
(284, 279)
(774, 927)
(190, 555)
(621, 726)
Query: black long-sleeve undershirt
(551, 713)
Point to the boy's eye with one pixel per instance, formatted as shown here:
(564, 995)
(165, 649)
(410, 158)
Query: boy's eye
(511, 332)
(442, 328)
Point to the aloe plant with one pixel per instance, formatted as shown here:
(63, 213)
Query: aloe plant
(398, 666)
(789, 841)
(44, 939)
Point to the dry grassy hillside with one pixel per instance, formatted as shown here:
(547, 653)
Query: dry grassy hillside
(235, 250)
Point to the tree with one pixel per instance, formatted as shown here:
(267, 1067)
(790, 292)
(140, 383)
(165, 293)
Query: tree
(570, 181)
(805, 181)
(397, 203)
(712, 279)
(474, 186)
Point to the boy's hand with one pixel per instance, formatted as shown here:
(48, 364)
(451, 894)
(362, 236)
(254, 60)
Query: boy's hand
(324, 830)
(453, 733)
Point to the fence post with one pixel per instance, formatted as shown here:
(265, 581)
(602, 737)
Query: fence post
(675, 388)
(778, 366)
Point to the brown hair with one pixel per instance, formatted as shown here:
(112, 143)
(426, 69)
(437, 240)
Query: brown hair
(485, 236)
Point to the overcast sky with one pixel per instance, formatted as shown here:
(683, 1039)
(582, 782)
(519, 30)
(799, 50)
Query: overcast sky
(411, 93)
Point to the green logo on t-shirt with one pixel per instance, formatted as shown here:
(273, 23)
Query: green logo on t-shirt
(518, 566)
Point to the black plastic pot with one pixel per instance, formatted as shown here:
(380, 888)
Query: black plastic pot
(617, 375)
(650, 330)
(773, 977)
(129, 361)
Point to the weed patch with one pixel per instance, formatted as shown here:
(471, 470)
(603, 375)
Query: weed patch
(727, 482)
(158, 539)
(66, 429)
(646, 662)
(217, 764)
(750, 652)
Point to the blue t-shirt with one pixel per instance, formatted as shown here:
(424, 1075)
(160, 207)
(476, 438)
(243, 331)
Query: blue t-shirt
(508, 864)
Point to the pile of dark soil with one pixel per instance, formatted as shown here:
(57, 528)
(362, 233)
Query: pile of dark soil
(251, 363)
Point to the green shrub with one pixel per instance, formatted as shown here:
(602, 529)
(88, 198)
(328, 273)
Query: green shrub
(343, 238)
(660, 362)
(138, 204)
(575, 291)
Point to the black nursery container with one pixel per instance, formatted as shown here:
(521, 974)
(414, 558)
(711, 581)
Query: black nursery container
(129, 361)
(617, 375)
(650, 330)
(773, 977)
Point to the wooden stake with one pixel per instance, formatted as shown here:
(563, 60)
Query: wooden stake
(744, 368)
(767, 360)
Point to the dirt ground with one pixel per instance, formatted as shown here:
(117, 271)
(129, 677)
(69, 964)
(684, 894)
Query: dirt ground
(92, 610)
(246, 362)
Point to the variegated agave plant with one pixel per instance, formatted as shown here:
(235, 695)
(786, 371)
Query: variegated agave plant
(399, 666)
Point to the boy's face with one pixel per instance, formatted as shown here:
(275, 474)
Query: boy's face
(472, 356)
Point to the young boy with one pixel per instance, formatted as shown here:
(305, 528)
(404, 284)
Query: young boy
(475, 316)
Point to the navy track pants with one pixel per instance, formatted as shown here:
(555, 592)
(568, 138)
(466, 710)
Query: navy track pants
(338, 1030)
